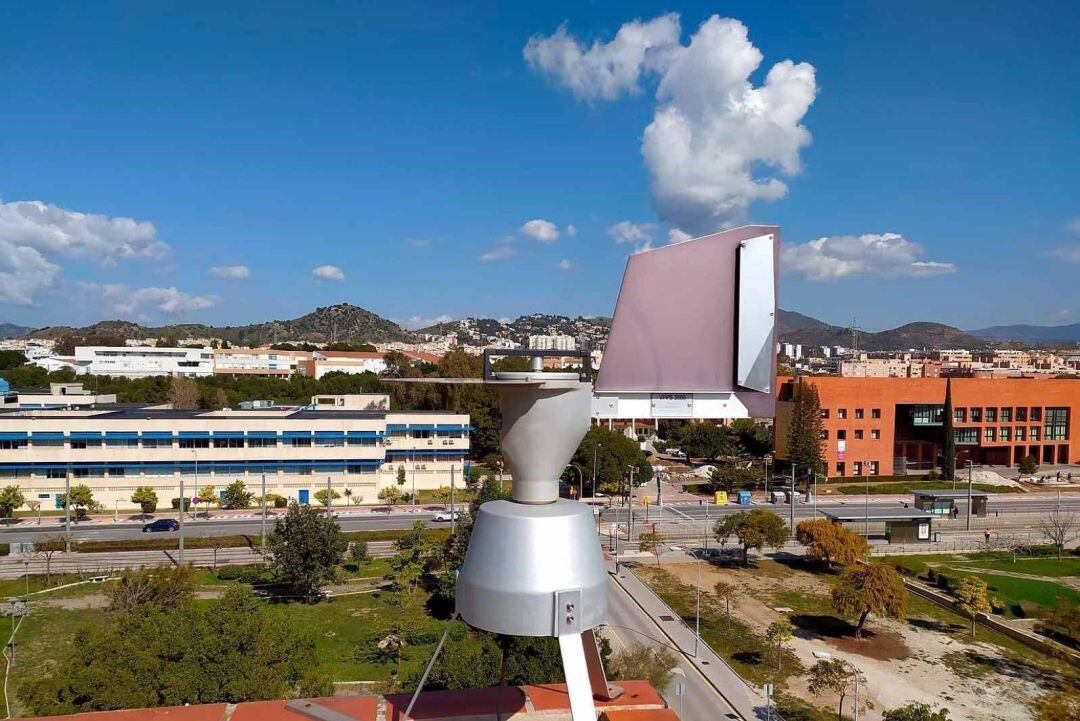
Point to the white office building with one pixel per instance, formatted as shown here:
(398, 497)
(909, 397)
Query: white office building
(324, 362)
(261, 362)
(552, 342)
(142, 361)
(115, 449)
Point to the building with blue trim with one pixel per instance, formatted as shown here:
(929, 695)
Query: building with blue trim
(355, 442)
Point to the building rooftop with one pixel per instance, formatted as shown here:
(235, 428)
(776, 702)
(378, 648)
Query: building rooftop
(548, 702)
(137, 411)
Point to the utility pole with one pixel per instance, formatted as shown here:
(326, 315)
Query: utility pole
(969, 496)
(328, 492)
(630, 508)
(263, 522)
(791, 526)
(453, 517)
(67, 512)
(195, 456)
(866, 501)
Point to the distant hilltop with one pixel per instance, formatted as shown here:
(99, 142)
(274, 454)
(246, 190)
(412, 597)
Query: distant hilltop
(347, 323)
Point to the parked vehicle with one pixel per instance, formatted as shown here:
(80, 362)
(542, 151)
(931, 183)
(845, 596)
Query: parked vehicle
(162, 524)
(447, 516)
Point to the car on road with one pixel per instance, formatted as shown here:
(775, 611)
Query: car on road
(381, 509)
(447, 516)
(161, 524)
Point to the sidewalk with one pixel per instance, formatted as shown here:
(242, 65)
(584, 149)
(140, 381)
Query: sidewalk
(727, 683)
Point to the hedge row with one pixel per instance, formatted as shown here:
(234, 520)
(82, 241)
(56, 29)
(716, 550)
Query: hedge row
(252, 541)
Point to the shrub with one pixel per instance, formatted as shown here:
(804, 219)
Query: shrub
(175, 503)
(1028, 465)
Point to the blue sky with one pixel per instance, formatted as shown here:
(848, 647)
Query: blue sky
(921, 158)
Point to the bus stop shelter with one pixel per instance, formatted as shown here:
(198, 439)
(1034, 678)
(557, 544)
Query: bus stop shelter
(902, 525)
(943, 503)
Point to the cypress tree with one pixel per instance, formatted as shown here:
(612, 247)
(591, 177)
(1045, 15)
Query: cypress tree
(948, 461)
(804, 433)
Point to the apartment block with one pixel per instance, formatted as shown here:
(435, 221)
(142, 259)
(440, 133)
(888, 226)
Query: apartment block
(552, 342)
(142, 361)
(878, 426)
(265, 362)
(323, 362)
(117, 448)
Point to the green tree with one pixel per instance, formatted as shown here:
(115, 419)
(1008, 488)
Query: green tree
(304, 549)
(1029, 464)
(401, 476)
(948, 451)
(441, 494)
(916, 711)
(390, 494)
(146, 497)
(972, 599)
(11, 359)
(348, 496)
(753, 529)
(414, 554)
(236, 496)
(873, 588)
(614, 453)
(358, 552)
(652, 542)
(728, 478)
(831, 675)
(10, 499)
(655, 664)
(709, 441)
(233, 650)
(82, 498)
(778, 634)
(47, 549)
(208, 495)
(321, 494)
(755, 438)
(1060, 529)
(805, 430)
(161, 588)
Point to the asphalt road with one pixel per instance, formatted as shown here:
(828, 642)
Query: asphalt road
(27, 529)
(628, 624)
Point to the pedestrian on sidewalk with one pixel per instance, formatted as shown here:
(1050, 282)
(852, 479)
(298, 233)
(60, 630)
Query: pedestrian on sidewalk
(986, 535)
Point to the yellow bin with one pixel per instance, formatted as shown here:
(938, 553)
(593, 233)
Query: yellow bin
(721, 498)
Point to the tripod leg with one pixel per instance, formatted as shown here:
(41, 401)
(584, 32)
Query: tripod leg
(578, 687)
(598, 682)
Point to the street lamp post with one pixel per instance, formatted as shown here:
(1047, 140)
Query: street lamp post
(263, 522)
(67, 512)
(596, 447)
(866, 501)
(581, 479)
(969, 464)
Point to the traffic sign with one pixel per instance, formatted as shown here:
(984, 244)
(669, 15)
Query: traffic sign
(680, 689)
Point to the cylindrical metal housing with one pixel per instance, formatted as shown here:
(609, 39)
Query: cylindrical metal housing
(520, 556)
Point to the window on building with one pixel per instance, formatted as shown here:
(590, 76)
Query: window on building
(991, 415)
(1006, 434)
(989, 435)
(924, 415)
(841, 413)
(959, 415)
(824, 412)
(83, 443)
(1034, 434)
(117, 471)
(872, 468)
(261, 442)
(300, 442)
(966, 436)
(858, 434)
(858, 414)
(1021, 414)
(55, 473)
(856, 468)
(1006, 415)
(875, 434)
(336, 442)
(13, 445)
(841, 435)
(1057, 422)
(1021, 433)
(48, 442)
(80, 472)
(364, 441)
(841, 467)
(228, 443)
(157, 443)
(194, 442)
(875, 413)
(976, 415)
(122, 442)
(1036, 414)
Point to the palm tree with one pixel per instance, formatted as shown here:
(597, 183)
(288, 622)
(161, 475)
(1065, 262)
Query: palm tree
(348, 496)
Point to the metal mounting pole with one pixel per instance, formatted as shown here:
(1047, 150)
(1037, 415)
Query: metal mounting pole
(67, 512)
(969, 497)
(263, 520)
(453, 518)
(791, 503)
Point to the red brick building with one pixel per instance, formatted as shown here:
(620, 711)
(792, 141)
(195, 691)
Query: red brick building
(884, 426)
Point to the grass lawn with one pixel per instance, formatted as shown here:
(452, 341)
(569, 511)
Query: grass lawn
(1051, 567)
(1016, 592)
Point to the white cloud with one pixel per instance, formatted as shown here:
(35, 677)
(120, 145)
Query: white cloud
(1060, 315)
(418, 242)
(717, 142)
(1067, 253)
(640, 234)
(542, 231)
(328, 273)
(843, 256)
(1073, 226)
(504, 320)
(142, 302)
(571, 230)
(565, 264)
(503, 250)
(23, 272)
(677, 236)
(54, 230)
(419, 321)
(230, 271)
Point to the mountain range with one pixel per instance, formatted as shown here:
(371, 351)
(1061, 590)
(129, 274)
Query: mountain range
(349, 323)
